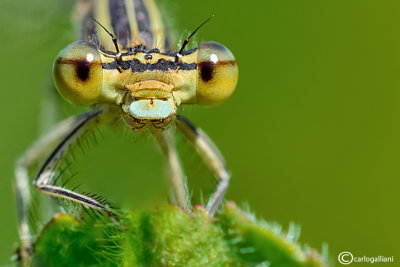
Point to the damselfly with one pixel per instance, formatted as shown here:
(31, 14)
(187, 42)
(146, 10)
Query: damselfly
(125, 67)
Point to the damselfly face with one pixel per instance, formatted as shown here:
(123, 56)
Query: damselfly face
(147, 85)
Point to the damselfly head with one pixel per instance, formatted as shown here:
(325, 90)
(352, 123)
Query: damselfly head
(147, 84)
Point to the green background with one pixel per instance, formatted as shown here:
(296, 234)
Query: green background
(311, 134)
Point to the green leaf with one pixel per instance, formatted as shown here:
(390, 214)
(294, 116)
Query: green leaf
(169, 236)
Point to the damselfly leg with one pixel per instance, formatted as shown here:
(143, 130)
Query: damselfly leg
(174, 170)
(57, 144)
(211, 157)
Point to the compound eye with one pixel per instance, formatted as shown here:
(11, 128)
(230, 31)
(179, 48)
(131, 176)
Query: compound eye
(78, 74)
(217, 74)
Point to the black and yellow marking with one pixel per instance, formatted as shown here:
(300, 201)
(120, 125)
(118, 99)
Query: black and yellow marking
(161, 65)
(133, 22)
(120, 22)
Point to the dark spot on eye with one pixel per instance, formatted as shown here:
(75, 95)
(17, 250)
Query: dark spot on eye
(148, 57)
(207, 70)
(82, 70)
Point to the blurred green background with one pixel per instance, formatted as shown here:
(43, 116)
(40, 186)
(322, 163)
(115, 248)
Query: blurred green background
(311, 134)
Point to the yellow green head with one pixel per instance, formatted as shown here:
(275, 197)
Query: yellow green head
(85, 75)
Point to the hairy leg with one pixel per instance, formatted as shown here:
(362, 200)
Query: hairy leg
(56, 144)
(174, 169)
(212, 158)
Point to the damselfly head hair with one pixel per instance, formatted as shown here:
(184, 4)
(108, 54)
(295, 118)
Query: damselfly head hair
(186, 41)
(114, 40)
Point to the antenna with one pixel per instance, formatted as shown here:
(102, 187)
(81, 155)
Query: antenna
(179, 54)
(114, 40)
